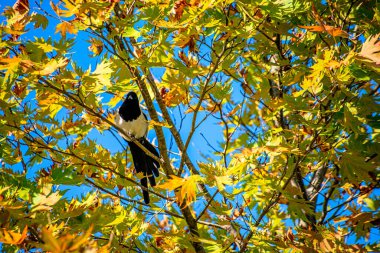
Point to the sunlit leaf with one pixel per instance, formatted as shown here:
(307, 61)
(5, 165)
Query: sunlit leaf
(371, 49)
(66, 27)
(11, 237)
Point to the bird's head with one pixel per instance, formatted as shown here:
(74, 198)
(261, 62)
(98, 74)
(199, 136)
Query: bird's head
(131, 96)
(130, 106)
(131, 100)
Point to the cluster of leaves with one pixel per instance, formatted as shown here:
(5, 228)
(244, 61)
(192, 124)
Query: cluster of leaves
(291, 87)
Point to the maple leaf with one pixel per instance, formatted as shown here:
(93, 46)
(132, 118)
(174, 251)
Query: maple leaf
(52, 66)
(188, 187)
(173, 183)
(82, 239)
(43, 202)
(333, 31)
(178, 9)
(371, 49)
(96, 46)
(21, 6)
(10, 63)
(18, 89)
(40, 21)
(46, 47)
(174, 96)
(71, 9)
(11, 237)
(66, 27)
(222, 181)
(19, 20)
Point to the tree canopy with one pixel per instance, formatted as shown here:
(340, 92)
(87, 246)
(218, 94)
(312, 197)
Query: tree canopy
(265, 114)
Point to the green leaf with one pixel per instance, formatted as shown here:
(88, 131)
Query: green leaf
(66, 176)
(131, 32)
(40, 21)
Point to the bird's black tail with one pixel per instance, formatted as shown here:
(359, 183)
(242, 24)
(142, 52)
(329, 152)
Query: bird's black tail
(145, 164)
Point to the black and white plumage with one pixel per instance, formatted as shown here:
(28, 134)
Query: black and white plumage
(133, 121)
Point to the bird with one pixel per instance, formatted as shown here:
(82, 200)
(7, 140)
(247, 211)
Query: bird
(134, 122)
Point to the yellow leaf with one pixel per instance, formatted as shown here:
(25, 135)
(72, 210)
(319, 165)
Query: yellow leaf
(50, 103)
(96, 46)
(50, 242)
(52, 66)
(333, 64)
(102, 74)
(43, 202)
(103, 68)
(116, 99)
(72, 9)
(162, 124)
(188, 187)
(111, 117)
(182, 40)
(172, 183)
(10, 63)
(222, 181)
(119, 218)
(4, 189)
(79, 241)
(66, 27)
(45, 46)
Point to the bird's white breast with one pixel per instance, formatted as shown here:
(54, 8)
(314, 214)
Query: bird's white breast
(136, 128)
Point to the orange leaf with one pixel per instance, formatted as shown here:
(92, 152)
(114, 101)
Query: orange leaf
(50, 242)
(178, 9)
(333, 31)
(66, 27)
(315, 28)
(174, 96)
(79, 241)
(10, 237)
(336, 32)
(188, 187)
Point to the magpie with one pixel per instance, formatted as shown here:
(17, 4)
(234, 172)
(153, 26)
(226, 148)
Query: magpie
(134, 122)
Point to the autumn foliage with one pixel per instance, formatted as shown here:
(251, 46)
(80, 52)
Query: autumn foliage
(265, 113)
